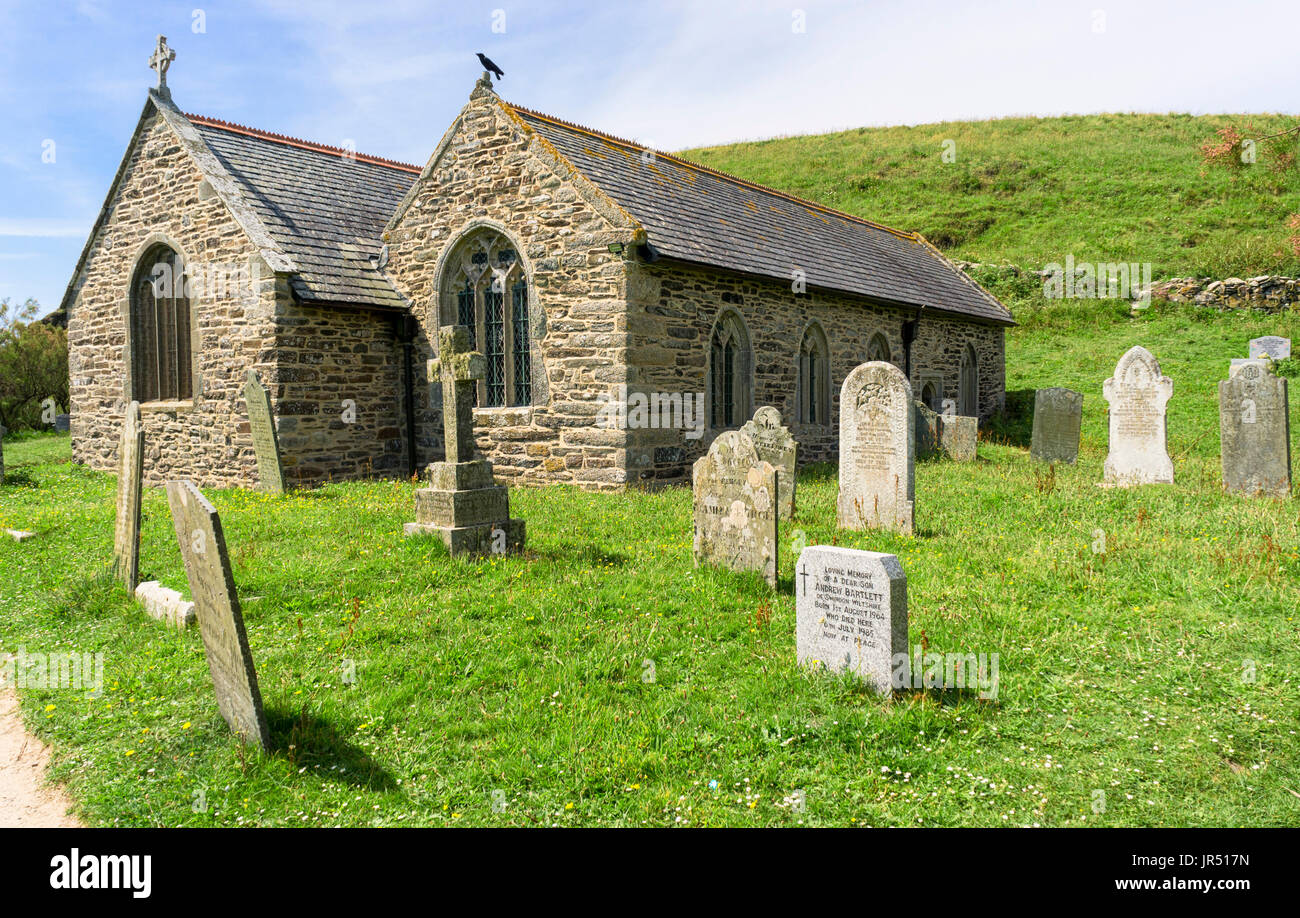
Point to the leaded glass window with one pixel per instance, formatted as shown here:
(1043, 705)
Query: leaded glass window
(161, 362)
(486, 289)
(730, 360)
(814, 381)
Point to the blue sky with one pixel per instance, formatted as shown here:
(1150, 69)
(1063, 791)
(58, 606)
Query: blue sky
(389, 76)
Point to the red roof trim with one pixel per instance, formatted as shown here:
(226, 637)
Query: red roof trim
(302, 144)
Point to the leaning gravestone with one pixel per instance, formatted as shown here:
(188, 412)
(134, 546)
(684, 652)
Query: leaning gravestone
(463, 504)
(927, 429)
(775, 444)
(221, 623)
(877, 449)
(1138, 394)
(266, 444)
(851, 612)
(1058, 417)
(1271, 346)
(130, 472)
(1255, 431)
(735, 507)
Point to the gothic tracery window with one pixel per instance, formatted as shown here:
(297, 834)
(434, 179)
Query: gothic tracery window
(814, 383)
(968, 385)
(161, 368)
(486, 289)
(730, 364)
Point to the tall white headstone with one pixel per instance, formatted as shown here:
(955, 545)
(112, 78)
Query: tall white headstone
(877, 449)
(1138, 394)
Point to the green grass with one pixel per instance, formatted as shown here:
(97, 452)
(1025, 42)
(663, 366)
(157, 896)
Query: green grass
(1029, 191)
(1119, 672)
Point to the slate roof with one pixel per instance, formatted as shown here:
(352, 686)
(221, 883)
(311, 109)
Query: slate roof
(697, 214)
(325, 207)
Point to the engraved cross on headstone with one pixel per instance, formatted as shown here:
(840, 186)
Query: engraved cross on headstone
(160, 60)
(460, 368)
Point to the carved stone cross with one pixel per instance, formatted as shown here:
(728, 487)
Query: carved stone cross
(460, 368)
(160, 60)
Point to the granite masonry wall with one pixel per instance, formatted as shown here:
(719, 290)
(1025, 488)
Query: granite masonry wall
(490, 171)
(672, 312)
(162, 198)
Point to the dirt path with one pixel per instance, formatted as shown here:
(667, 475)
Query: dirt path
(25, 799)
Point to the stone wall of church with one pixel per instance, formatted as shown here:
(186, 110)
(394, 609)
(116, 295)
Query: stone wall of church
(337, 384)
(672, 312)
(491, 172)
(205, 439)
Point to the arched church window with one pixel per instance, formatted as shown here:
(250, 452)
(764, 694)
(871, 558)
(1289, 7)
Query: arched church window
(969, 389)
(486, 289)
(730, 365)
(814, 384)
(161, 368)
(878, 348)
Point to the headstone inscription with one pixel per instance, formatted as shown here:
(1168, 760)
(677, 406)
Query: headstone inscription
(266, 444)
(221, 622)
(463, 504)
(1272, 346)
(877, 450)
(776, 445)
(130, 474)
(1138, 394)
(1255, 431)
(1058, 418)
(735, 511)
(851, 612)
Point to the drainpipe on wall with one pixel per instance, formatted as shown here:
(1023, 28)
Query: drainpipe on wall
(407, 329)
(909, 335)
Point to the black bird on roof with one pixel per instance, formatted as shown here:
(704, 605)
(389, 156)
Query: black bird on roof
(489, 66)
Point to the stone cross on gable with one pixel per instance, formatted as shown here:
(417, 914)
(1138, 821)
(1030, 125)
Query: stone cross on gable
(460, 367)
(160, 60)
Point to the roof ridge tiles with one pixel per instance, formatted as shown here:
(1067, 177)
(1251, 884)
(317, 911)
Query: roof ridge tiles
(300, 143)
(709, 170)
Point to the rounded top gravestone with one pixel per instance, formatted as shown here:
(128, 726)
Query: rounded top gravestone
(1137, 395)
(877, 449)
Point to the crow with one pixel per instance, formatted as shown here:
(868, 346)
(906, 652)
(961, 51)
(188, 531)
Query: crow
(489, 66)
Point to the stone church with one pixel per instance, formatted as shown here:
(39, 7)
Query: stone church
(590, 271)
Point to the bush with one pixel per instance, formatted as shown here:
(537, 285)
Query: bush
(33, 366)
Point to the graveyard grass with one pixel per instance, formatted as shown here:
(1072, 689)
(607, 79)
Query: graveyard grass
(1126, 673)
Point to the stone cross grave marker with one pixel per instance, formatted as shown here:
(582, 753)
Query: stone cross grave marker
(266, 444)
(776, 445)
(464, 504)
(851, 612)
(1272, 346)
(130, 473)
(1255, 431)
(1138, 394)
(221, 623)
(1058, 418)
(877, 450)
(735, 496)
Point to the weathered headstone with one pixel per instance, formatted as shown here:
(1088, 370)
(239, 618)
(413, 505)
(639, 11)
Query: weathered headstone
(1138, 394)
(1273, 346)
(877, 449)
(959, 436)
(130, 474)
(463, 504)
(927, 429)
(851, 612)
(1255, 431)
(1058, 418)
(221, 623)
(63, 422)
(735, 511)
(266, 444)
(775, 444)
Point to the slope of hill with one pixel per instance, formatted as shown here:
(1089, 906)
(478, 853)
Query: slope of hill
(1030, 191)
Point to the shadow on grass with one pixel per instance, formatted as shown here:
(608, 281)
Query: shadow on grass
(589, 555)
(944, 697)
(312, 742)
(1014, 425)
(18, 478)
(818, 471)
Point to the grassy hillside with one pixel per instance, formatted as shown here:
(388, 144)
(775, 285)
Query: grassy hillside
(1159, 673)
(1029, 191)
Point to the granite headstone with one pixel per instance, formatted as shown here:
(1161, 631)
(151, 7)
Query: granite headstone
(1255, 431)
(1058, 418)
